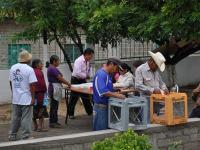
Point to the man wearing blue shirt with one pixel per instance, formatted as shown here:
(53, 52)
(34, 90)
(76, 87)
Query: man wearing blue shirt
(102, 90)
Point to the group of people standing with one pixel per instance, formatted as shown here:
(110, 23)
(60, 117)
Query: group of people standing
(29, 88)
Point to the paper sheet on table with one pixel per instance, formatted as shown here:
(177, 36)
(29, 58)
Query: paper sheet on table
(83, 85)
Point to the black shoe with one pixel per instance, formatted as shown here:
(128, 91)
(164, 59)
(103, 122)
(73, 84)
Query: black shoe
(90, 114)
(54, 125)
(72, 117)
(12, 138)
(58, 124)
(27, 138)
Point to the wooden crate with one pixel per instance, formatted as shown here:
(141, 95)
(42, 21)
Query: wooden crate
(168, 115)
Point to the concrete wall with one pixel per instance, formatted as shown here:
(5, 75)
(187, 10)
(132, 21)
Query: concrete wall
(187, 71)
(5, 93)
(64, 68)
(160, 137)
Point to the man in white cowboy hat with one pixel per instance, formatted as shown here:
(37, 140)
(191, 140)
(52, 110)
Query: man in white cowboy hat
(22, 81)
(147, 78)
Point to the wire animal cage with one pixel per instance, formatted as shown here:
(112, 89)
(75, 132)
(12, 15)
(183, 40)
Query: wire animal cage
(168, 109)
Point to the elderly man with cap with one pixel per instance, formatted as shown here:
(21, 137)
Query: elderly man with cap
(102, 90)
(147, 78)
(22, 81)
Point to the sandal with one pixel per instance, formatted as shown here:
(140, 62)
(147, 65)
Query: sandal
(42, 130)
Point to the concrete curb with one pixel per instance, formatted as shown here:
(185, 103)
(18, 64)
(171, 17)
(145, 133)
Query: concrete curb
(160, 136)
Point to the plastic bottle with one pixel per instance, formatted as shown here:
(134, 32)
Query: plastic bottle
(46, 100)
(177, 88)
(35, 102)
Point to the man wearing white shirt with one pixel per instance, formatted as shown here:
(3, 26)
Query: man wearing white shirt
(148, 80)
(22, 81)
(80, 73)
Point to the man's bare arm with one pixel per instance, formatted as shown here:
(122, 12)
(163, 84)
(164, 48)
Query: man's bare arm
(114, 94)
(32, 89)
(11, 85)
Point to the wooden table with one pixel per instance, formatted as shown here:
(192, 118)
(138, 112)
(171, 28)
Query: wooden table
(74, 89)
(86, 91)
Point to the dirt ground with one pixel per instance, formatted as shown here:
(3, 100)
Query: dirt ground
(6, 109)
(5, 112)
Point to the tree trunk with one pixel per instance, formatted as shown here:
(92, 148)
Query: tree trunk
(63, 50)
(77, 40)
(171, 75)
(45, 50)
(175, 51)
(65, 54)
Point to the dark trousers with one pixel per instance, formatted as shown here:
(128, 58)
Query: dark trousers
(75, 96)
(53, 117)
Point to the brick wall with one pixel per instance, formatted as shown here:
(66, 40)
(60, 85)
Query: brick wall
(188, 134)
(160, 136)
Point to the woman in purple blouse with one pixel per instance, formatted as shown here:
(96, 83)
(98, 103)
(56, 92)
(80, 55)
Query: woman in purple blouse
(55, 79)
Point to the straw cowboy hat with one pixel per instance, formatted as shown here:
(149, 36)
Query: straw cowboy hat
(24, 56)
(159, 60)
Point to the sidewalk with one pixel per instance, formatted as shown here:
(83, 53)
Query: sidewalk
(80, 124)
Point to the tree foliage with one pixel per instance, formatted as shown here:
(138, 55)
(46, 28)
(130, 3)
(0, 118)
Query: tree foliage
(172, 24)
(52, 19)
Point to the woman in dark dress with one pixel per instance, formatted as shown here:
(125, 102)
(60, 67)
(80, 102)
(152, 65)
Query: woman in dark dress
(39, 109)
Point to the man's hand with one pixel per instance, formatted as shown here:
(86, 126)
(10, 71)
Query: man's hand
(156, 91)
(166, 91)
(32, 89)
(121, 96)
(88, 77)
(69, 85)
(114, 94)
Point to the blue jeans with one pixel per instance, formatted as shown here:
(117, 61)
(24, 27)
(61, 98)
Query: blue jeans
(100, 118)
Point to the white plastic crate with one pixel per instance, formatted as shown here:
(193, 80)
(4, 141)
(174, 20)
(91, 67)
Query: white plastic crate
(131, 112)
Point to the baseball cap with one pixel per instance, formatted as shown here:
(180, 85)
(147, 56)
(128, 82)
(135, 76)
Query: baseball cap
(116, 61)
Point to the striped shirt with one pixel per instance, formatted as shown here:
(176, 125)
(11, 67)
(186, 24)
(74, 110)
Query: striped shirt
(147, 81)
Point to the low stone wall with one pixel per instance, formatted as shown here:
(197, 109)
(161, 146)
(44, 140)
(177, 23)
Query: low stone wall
(188, 134)
(160, 136)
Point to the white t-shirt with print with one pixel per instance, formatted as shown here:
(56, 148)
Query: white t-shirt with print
(21, 76)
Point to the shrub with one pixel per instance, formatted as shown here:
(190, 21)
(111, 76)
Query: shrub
(128, 140)
(175, 145)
